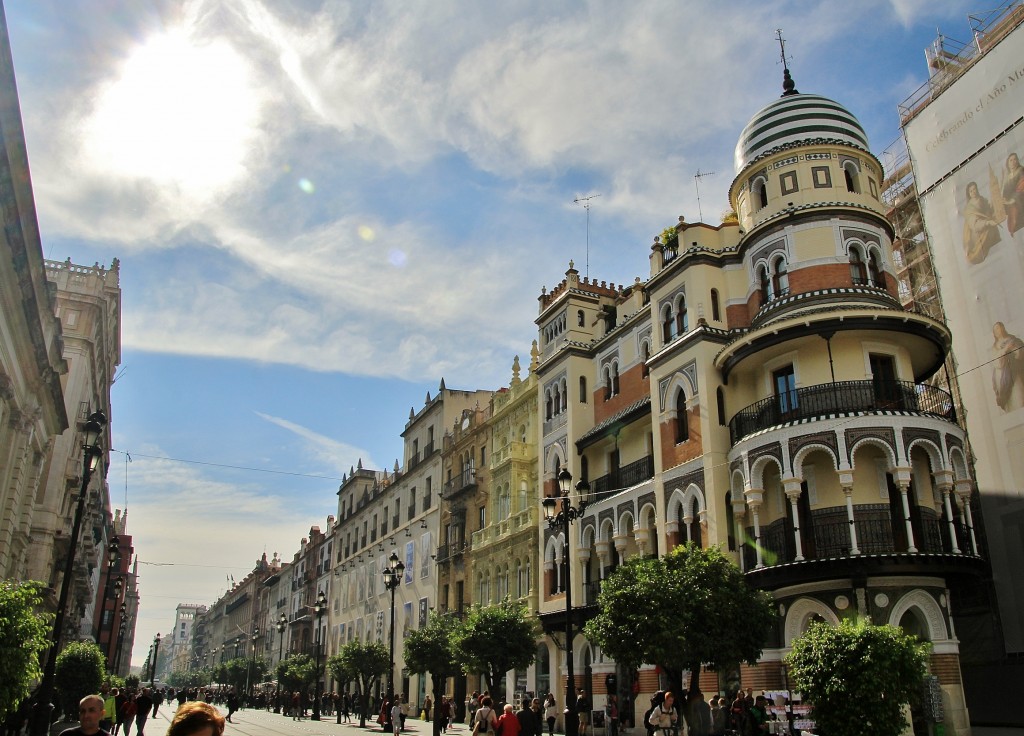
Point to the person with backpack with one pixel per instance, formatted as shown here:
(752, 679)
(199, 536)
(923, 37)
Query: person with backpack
(663, 718)
(485, 721)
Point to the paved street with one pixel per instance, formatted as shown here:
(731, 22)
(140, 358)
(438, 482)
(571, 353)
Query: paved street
(251, 722)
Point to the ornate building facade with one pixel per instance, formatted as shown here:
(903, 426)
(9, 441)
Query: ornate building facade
(764, 390)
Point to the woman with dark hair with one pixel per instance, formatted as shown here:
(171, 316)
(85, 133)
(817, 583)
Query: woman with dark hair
(196, 718)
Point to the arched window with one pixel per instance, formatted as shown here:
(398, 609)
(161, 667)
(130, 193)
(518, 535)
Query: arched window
(615, 379)
(682, 418)
(565, 395)
(583, 390)
(720, 399)
(607, 384)
(716, 313)
(556, 402)
(579, 318)
(857, 270)
(764, 284)
(760, 193)
(668, 324)
(874, 272)
(645, 354)
(547, 404)
(682, 318)
(850, 174)
(780, 278)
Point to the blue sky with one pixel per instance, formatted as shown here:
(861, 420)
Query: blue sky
(320, 209)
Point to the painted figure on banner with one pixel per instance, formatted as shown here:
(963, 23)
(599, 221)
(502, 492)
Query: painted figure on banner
(981, 229)
(1013, 193)
(1008, 375)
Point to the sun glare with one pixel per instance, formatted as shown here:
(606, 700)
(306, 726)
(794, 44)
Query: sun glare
(179, 112)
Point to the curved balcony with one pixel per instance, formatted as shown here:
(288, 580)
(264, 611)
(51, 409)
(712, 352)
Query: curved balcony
(883, 547)
(841, 397)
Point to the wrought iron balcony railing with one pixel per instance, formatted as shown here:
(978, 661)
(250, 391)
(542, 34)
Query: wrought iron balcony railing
(842, 397)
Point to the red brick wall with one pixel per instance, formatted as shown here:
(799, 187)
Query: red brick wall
(673, 454)
(947, 668)
(633, 386)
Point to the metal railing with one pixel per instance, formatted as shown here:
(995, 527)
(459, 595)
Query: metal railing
(878, 534)
(462, 481)
(625, 477)
(841, 397)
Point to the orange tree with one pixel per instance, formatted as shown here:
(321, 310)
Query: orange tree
(688, 608)
(857, 677)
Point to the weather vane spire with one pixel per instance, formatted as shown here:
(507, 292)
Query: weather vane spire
(788, 85)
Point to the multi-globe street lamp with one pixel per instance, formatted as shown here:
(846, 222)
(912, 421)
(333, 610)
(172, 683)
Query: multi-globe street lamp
(91, 455)
(156, 653)
(392, 579)
(319, 608)
(282, 624)
(560, 513)
(252, 662)
(124, 623)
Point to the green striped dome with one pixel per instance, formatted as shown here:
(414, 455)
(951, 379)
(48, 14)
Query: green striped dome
(793, 118)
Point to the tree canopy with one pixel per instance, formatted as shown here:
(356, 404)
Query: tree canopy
(363, 664)
(857, 677)
(79, 672)
(295, 672)
(430, 650)
(23, 636)
(492, 640)
(690, 607)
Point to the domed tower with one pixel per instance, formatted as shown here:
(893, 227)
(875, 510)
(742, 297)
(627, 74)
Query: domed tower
(848, 469)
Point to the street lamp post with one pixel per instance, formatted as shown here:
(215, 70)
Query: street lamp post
(213, 666)
(118, 588)
(392, 579)
(560, 513)
(252, 662)
(91, 454)
(113, 554)
(238, 644)
(319, 608)
(156, 653)
(282, 624)
(120, 638)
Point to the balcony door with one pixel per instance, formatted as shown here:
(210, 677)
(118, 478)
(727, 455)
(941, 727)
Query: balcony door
(784, 383)
(884, 383)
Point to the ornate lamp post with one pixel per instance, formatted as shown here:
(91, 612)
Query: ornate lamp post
(91, 455)
(392, 579)
(282, 624)
(560, 513)
(120, 637)
(213, 666)
(118, 589)
(319, 608)
(156, 653)
(238, 644)
(113, 555)
(252, 662)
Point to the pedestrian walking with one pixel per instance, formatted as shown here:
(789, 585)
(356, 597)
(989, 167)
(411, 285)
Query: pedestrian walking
(550, 713)
(90, 711)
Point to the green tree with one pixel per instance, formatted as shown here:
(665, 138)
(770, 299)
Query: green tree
(23, 636)
(364, 664)
(235, 672)
(430, 650)
(857, 677)
(492, 640)
(295, 672)
(132, 681)
(79, 672)
(690, 607)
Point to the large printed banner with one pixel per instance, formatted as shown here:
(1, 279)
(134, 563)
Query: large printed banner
(986, 100)
(975, 220)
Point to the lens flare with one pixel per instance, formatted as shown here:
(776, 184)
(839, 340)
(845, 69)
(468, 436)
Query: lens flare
(366, 233)
(307, 186)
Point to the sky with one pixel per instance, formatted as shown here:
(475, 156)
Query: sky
(320, 209)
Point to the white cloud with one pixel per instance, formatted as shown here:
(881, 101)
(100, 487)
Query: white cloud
(327, 451)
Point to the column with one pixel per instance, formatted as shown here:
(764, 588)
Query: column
(963, 492)
(793, 491)
(754, 498)
(739, 510)
(846, 481)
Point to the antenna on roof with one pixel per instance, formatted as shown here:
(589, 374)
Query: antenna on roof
(696, 183)
(586, 205)
(788, 85)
